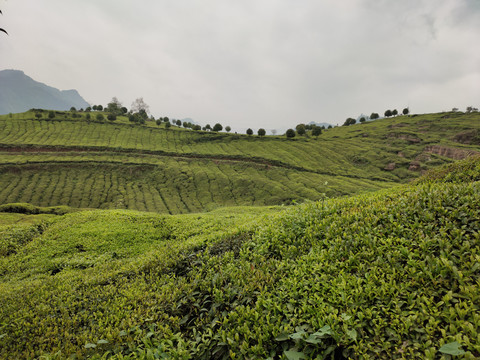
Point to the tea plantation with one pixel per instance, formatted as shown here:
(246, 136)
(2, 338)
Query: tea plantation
(393, 274)
(77, 162)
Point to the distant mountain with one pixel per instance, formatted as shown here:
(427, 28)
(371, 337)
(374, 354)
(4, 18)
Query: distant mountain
(319, 124)
(19, 93)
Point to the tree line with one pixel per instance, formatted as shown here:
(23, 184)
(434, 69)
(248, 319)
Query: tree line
(373, 116)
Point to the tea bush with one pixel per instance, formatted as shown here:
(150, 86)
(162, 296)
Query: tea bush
(393, 274)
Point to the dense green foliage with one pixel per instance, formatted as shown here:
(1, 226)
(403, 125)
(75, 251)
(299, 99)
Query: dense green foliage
(391, 275)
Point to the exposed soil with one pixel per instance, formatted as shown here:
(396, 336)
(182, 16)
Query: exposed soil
(469, 137)
(452, 153)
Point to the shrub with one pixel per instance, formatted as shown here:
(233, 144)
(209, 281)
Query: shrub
(217, 127)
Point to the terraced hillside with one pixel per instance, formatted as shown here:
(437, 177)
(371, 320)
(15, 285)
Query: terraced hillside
(88, 164)
(387, 275)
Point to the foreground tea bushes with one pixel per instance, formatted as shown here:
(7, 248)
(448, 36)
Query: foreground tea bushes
(387, 275)
(95, 275)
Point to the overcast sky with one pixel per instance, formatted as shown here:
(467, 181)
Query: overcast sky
(252, 63)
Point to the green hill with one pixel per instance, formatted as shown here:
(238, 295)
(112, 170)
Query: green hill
(392, 274)
(83, 163)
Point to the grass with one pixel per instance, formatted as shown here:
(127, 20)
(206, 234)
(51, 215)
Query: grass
(392, 274)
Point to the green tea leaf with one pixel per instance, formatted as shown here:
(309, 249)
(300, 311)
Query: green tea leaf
(352, 334)
(297, 335)
(453, 348)
(326, 330)
(313, 340)
(282, 337)
(294, 355)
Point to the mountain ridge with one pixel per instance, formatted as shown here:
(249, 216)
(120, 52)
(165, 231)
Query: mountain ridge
(19, 92)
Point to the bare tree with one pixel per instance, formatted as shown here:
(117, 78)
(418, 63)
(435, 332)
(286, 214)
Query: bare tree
(139, 105)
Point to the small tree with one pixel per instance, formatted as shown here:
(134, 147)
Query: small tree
(143, 114)
(208, 127)
(316, 130)
(138, 105)
(405, 111)
(261, 132)
(166, 119)
(300, 129)
(111, 117)
(51, 114)
(395, 112)
(349, 121)
(388, 113)
(249, 131)
(114, 107)
(179, 122)
(167, 125)
(362, 119)
(87, 116)
(99, 117)
(73, 108)
(290, 133)
(217, 127)
(38, 115)
(374, 116)
(158, 122)
(196, 127)
(88, 109)
(228, 129)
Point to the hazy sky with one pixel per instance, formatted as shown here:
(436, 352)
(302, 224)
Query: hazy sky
(252, 63)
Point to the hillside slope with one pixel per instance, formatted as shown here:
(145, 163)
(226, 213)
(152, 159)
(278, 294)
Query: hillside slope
(393, 274)
(85, 163)
(19, 92)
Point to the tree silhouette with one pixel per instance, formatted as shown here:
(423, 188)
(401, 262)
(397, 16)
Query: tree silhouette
(290, 133)
(217, 127)
(316, 130)
(300, 129)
